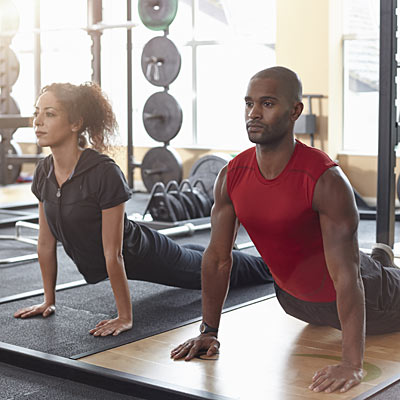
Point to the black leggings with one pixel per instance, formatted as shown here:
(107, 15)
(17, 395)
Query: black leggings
(158, 259)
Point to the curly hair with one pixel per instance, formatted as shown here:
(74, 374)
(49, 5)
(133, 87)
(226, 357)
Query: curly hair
(88, 104)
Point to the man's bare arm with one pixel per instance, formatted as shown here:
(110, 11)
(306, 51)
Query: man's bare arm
(216, 269)
(334, 201)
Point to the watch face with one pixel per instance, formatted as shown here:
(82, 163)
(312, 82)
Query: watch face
(202, 327)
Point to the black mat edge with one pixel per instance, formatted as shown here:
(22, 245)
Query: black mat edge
(179, 325)
(378, 388)
(98, 377)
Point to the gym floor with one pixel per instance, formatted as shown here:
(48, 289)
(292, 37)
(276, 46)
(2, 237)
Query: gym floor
(169, 308)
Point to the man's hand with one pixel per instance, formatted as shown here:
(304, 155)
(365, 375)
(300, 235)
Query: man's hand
(198, 345)
(44, 309)
(340, 377)
(111, 327)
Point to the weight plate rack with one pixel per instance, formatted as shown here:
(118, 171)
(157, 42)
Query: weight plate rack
(11, 157)
(162, 114)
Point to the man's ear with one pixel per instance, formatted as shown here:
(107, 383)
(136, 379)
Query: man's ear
(296, 111)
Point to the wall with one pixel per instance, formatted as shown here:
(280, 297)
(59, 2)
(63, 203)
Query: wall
(308, 41)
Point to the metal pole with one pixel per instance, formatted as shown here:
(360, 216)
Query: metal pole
(385, 214)
(131, 163)
(95, 15)
(37, 51)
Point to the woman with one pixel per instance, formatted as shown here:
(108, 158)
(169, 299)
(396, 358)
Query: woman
(82, 195)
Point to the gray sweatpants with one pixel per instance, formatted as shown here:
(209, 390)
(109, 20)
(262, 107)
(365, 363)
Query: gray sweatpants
(382, 300)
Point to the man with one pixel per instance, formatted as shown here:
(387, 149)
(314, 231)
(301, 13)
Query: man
(299, 210)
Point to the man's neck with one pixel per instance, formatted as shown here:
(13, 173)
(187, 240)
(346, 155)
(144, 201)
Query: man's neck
(273, 160)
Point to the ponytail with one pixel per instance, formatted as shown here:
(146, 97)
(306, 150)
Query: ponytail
(88, 105)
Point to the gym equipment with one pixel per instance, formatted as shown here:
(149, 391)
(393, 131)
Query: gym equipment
(173, 202)
(161, 164)
(20, 238)
(13, 170)
(161, 61)
(368, 212)
(9, 68)
(157, 15)
(8, 106)
(11, 157)
(186, 207)
(38, 292)
(197, 199)
(162, 117)
(163, 206)
(306, 123)
(207, 168)
(388, 122)
(205, 201)
(9, 19)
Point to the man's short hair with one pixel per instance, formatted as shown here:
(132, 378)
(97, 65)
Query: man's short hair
(288, 78)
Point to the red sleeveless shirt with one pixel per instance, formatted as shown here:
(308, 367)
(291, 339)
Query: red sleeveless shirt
(279, 219)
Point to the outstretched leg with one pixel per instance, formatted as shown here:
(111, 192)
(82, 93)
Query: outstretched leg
(158, 259)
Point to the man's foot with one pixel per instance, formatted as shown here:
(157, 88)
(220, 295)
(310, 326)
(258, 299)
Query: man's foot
(384, 254)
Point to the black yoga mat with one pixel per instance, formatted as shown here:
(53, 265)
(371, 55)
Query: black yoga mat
(156, 308)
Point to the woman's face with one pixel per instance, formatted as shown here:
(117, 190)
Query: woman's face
(51, 124)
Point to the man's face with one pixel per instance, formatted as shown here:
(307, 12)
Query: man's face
(267, 112)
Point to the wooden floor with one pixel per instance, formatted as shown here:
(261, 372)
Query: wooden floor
(274, 358)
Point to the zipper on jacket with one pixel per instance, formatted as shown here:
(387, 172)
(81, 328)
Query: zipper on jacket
(58, 194)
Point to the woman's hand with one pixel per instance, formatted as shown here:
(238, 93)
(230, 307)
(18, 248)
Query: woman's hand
(111, 327)
(44, 309)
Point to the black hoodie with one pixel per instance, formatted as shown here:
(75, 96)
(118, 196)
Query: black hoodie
(73, 211)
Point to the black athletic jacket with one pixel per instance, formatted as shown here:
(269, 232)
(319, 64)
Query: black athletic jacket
(73, 211)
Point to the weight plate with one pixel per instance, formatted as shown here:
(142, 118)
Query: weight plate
(157, 15)
(204, 201)
(161, 61)
(162, 117)
(186, 191)
(190, 205)
(8, 106)
(178, 206)
(13, 170)
(161, 164)
(207, 168)
(9, 18)
(196, 202)
(159, 210)
(9, 67)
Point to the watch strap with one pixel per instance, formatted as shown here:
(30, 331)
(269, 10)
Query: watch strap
(205, 328)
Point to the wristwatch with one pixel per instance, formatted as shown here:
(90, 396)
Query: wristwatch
(204, 328)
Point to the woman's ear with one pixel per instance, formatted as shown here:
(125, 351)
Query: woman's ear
(77, 126)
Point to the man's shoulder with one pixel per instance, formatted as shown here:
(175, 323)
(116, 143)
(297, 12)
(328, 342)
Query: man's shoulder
(244, 156)
(311, 155)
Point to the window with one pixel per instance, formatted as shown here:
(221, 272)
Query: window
(222, 43)
(361, 76)
(65, 51)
